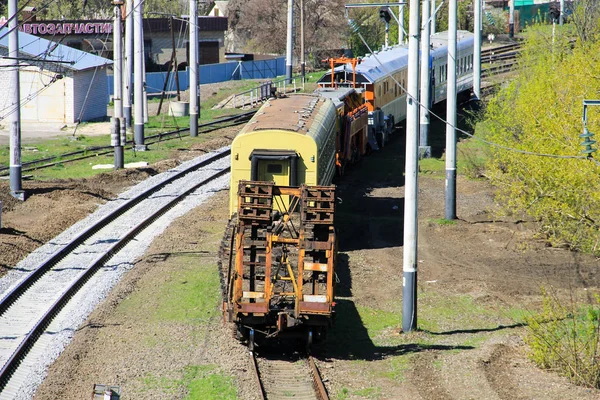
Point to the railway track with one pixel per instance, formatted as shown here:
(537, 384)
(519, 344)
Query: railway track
(293, 377)
(39, 305)
(499, 60)
(78, 155)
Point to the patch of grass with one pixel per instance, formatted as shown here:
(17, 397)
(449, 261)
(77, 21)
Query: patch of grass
(432, 166)
(375, 320)
(395, 367)
(190, 295)
(205, 382)
(443, 221)
(473, 155)
(369, 393)
(198, 381)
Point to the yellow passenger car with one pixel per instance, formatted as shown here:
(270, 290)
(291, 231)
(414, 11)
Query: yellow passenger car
(289, 141)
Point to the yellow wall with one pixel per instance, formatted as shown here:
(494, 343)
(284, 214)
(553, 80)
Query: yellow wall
(245, 143)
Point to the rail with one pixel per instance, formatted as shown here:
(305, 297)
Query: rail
(39, 296)
(288, 378)
(78, 155)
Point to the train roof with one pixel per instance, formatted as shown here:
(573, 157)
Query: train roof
(381, 63)
(294, 113)
(336, 95)
(439, 42)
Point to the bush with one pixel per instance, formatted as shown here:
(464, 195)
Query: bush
(565, 339)
(541, 112)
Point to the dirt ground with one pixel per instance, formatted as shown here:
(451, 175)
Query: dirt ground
(474, 277)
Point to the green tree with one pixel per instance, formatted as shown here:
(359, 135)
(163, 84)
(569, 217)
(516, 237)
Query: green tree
(541, 112)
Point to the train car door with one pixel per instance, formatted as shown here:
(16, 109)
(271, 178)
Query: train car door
(277, 171)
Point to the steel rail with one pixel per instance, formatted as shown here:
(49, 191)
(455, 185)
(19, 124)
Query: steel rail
(262, 395)
(320, 390)
(13, 294)
(103, 150)
(13, 362)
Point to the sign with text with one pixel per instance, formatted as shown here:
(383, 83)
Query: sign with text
(64, 27)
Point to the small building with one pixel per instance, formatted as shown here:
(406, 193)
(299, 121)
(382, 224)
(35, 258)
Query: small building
(58, 83)
(160, 35)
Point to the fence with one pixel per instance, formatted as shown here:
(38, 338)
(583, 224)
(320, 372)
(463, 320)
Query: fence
(213, 73)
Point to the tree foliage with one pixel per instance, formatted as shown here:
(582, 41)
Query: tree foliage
(541, 112)
(261, 25)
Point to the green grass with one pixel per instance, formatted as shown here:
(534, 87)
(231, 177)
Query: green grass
(197, 381)
(442, 221)
(432, 166)
(190, 296)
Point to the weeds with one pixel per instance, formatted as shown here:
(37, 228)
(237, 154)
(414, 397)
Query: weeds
(565, 338)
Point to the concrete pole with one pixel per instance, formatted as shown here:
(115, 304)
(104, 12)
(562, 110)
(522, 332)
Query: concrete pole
(409, 281)
(118, 82)
(424, 148)
(289, 48)
(562, 10)
(477, 49)
(127, 76)
(433, 14)
(302, 55)
(401, 25)
(193, 65)
(387, 35)
(144, 88)
(451, 115)
(138, 92)
(15, 168)
(511, 18)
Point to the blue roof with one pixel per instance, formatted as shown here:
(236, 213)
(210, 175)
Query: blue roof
(46, 50)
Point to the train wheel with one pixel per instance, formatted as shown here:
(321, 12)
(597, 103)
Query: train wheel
(251, 343)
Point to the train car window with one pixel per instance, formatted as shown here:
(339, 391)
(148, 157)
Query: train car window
(274, 168)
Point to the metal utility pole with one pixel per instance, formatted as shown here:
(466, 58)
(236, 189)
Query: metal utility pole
(128, 79)
(118, 82)
(288, 53)
(401, 24)
(193, 65)
(562, 11)
(511, 18)
(302, 61)
(16, 188)
(477, 49)
(409, 281)
(424, 148)
(433, 14)
(451, 115)
(138, 95)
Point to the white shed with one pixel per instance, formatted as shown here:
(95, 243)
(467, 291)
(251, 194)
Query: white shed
(58, 83)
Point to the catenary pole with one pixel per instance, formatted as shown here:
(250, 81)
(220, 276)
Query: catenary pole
(433, 14)
(511, 18)
(477, 49)
(409, 281)
(424, 148)
(118, 82)
(302, 55)
(288, 53)
(451, 115)
(127, 76)
(401, 24)
(193, 68)
(138, 87)
(562, 10)
(15, 168)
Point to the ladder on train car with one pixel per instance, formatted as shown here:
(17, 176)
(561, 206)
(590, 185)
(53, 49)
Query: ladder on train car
(285, 260)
